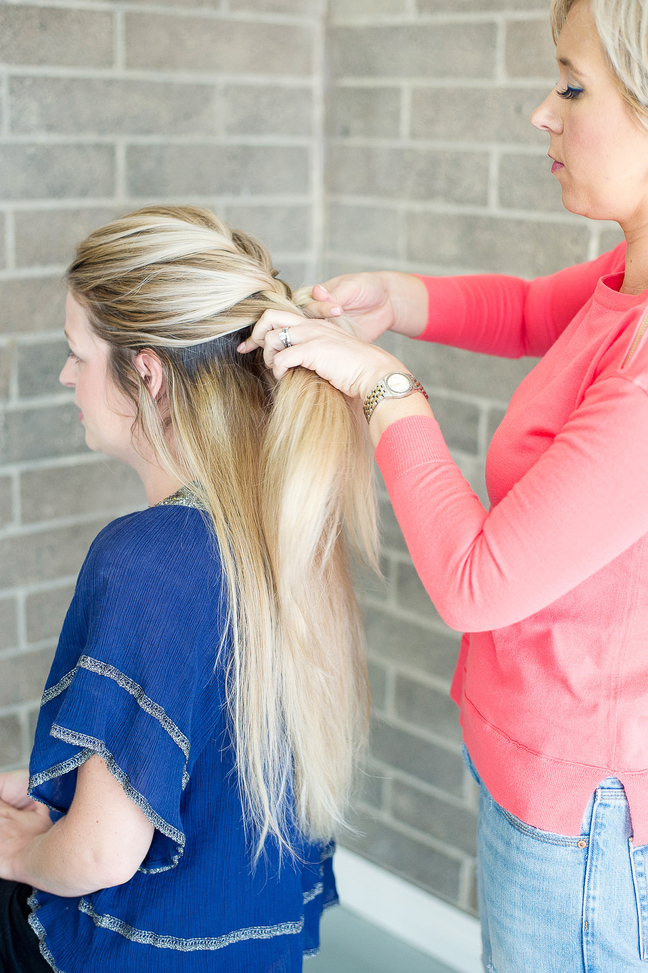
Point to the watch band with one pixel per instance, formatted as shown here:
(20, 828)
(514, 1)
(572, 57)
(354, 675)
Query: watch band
(383, 391)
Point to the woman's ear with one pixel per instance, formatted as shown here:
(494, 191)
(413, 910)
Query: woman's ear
(149, 368)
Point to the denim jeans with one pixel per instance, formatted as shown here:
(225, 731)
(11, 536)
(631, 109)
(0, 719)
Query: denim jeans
(553, 903)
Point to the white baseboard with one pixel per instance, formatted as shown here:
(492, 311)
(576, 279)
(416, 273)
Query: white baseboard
(415, 916)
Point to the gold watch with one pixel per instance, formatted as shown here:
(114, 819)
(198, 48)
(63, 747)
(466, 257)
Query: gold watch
(396, 385)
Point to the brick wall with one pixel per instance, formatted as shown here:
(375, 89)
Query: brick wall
(106, 106)
(432, 166)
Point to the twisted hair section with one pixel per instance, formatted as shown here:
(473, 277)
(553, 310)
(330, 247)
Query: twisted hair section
(286, 475)
(622, 27)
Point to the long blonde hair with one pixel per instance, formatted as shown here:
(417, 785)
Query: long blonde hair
(285, 473)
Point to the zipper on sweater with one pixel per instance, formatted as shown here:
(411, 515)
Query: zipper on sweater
(635, 343)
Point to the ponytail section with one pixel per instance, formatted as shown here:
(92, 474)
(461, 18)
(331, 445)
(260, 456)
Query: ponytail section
(286, 475)
(315, 480)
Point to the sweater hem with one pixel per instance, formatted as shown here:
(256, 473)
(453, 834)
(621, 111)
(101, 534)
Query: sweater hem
(525, 783)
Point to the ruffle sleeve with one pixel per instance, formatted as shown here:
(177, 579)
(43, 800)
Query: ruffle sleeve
(133, 680)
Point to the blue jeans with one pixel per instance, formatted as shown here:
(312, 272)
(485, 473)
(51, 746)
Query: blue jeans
(553, 903)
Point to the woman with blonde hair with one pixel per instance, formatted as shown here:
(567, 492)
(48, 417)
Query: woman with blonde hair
(207, 702)
(551, 583)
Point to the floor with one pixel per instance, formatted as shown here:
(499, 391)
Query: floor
(352, 945)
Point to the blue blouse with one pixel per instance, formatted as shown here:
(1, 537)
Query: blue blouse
(134, 680)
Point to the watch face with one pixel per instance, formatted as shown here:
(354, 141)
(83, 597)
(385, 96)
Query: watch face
(397, 382)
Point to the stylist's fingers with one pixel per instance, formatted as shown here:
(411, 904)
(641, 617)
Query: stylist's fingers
(292, 344)
(325, 304)
(277, 340)
(321, 346)
(284, 359)
(270, 320)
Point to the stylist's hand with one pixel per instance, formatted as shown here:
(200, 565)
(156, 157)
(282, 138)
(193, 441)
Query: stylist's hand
(353, 366)
(375, 303)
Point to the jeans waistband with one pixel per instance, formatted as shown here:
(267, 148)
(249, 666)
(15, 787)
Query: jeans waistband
(610, 784)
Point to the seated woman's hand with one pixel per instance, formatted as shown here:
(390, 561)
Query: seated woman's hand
(13, 788)
(353, 366)
(19, 828)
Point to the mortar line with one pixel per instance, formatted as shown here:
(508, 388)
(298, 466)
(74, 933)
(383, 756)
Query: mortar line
(318, 177)
(416, 783)
(39, 587)
(199, 140)
(121, 178)
(493, 181)
(5, 103)
(465, 883)
(13, 396)
(390, 693)
(16, 499)
(424, 735)
(151, 76)
(10, 240)
(594, 246)
(21, 621)
(457, 209)
(63, 523)
(422, 837)
(405, 126)
(482, 432)
(119, 46)
(60, 205)
(172, 12)
(425, 81)
(500, 50)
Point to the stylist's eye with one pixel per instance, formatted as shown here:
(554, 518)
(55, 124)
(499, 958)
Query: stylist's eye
(570, 92)
(73, 357)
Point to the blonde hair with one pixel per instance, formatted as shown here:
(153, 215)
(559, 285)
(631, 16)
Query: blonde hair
(622, 27)
(285, 473)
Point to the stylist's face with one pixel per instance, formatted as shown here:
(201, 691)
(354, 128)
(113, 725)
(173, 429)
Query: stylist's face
(600, 148)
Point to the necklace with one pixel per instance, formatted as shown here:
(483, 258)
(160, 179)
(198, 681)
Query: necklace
(184, 497)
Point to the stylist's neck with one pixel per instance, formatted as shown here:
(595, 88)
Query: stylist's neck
(635, 280)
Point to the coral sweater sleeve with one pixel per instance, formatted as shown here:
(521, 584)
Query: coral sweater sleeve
(507, 316)
(581, 502)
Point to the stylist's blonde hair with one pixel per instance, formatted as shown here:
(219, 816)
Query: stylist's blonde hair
(622, 27)
(285, 474)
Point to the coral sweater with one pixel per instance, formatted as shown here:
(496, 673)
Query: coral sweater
(552, 582)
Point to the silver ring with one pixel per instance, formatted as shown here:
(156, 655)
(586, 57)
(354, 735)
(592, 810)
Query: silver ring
(285, 337)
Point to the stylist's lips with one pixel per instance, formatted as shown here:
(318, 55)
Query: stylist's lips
(557, 166)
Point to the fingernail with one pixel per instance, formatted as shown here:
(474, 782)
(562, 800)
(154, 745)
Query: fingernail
(335, 312)
(241, 347)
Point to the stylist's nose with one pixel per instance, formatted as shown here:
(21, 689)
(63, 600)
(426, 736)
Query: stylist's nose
(545, 117)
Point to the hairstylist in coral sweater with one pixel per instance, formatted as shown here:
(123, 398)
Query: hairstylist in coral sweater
(551, 583)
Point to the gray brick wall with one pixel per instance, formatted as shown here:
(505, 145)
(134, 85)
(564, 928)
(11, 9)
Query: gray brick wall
(416, 154)
(105, 106)
(433, 167)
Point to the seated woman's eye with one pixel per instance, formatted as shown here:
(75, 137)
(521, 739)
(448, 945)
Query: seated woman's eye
(75, 358)
(570, 92)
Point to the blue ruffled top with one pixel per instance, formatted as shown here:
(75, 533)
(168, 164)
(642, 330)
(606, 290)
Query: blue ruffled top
(134, 680)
